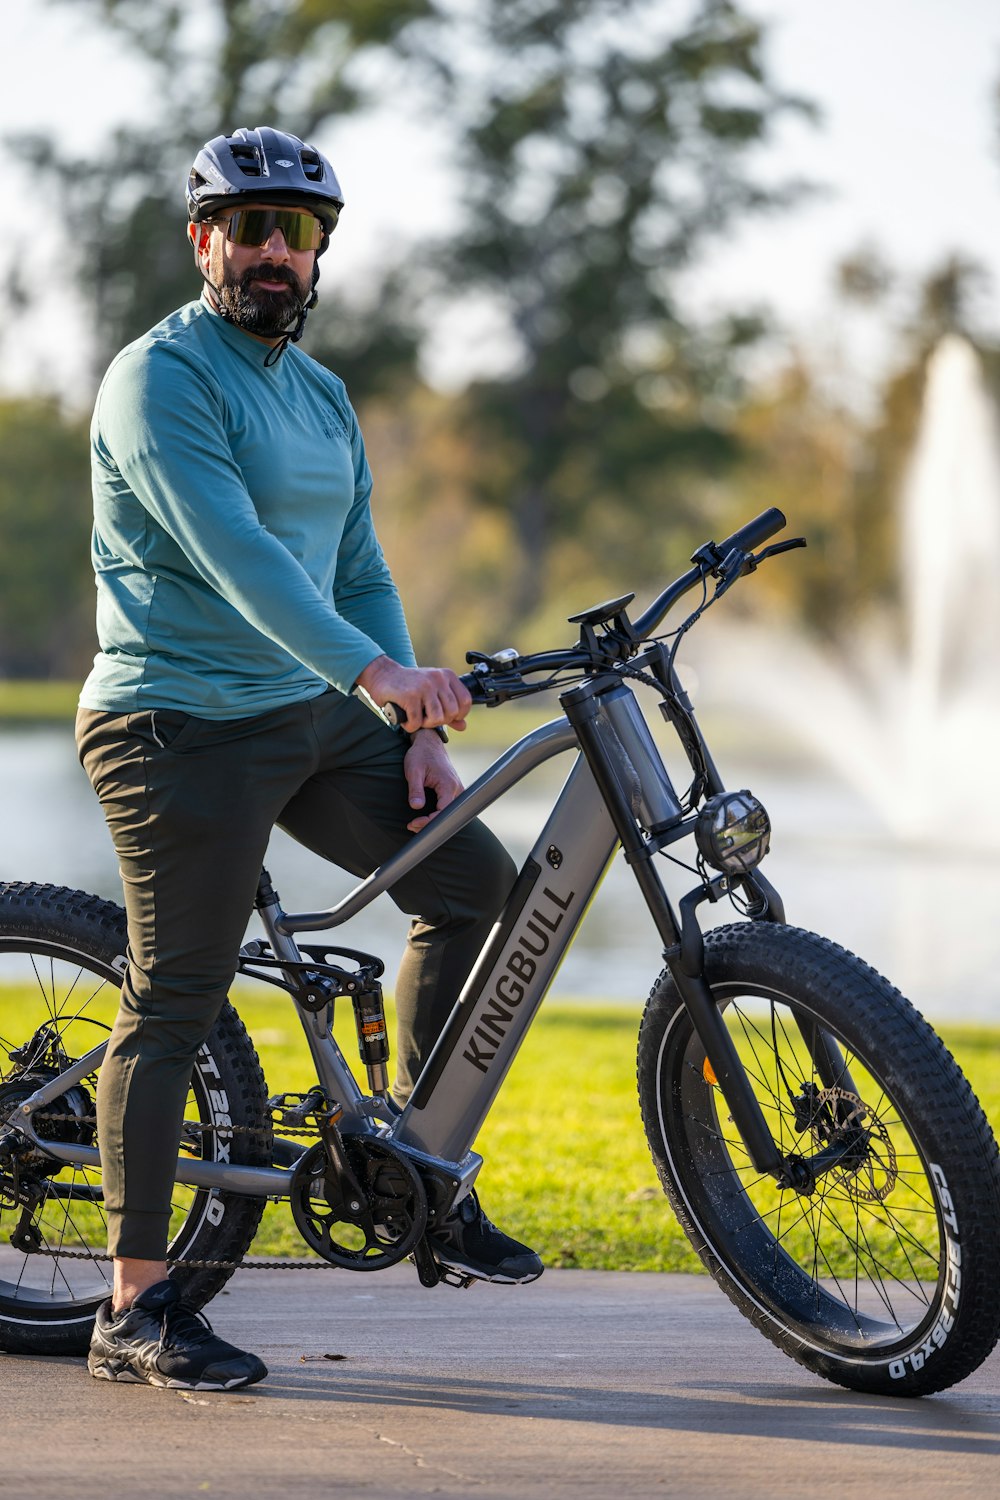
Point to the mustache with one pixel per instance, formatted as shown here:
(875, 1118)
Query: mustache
(269, 273)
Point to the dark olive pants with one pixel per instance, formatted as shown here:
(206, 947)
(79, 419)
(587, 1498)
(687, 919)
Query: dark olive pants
(190, 804)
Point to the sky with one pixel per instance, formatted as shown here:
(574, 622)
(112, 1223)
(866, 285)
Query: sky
(908, 153)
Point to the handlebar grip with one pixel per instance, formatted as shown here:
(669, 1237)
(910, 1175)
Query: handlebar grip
(394, 714)
(767, 524)
(476, 686)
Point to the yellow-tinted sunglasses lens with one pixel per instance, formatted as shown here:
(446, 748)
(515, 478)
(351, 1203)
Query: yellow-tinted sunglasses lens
(254, 226)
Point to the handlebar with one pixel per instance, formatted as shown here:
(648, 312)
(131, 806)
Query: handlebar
(767, 524)
(708, 560)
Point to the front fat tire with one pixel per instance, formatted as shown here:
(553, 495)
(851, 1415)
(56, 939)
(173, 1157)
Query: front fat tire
(58, 949)
(933, 1163)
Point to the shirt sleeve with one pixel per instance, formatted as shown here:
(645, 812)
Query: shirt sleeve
(161, 425)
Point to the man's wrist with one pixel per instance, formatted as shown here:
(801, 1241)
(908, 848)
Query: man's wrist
(437, 729)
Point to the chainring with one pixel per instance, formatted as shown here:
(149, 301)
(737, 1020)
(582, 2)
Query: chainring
(367, 1234)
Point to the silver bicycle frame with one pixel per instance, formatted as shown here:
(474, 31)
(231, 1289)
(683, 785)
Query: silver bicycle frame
(461, 1078)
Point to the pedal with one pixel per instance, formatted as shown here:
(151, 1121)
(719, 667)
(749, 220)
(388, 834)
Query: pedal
(291, 1111)
(455, 1278)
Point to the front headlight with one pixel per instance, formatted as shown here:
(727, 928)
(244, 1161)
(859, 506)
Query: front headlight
(733, 832)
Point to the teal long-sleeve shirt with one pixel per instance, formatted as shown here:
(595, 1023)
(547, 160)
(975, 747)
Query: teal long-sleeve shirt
(237, 565)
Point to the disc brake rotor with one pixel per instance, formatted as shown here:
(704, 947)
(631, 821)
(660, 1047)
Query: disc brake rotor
(870, 1172)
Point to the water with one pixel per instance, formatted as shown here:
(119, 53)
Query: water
(924, 915)
(908, 711)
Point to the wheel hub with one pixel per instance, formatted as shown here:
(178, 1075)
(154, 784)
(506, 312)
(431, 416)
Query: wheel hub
(852, 1138)
(76, 1130)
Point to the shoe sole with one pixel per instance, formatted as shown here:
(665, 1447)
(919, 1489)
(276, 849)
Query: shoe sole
(478, 1274)
(126, 1374)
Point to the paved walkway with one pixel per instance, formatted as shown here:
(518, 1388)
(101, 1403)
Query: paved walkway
(586, 1384)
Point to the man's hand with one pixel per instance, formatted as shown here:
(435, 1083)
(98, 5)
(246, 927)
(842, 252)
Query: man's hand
(429, 695)
(426, 765)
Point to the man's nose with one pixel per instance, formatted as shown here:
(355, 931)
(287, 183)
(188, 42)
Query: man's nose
(275, 248)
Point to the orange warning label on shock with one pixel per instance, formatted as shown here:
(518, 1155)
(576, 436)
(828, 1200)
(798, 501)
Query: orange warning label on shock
(372, 1028)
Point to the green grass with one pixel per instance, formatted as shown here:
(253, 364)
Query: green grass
(567, 1167)
(29, 702)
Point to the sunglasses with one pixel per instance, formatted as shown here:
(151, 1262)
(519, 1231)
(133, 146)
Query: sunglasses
(300, 229)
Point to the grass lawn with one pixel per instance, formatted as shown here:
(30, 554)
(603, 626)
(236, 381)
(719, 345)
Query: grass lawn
(567, 1167)
(29, 702)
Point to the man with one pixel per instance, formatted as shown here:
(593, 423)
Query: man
(242, 597)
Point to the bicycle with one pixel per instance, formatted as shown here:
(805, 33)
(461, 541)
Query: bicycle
(818, 1144)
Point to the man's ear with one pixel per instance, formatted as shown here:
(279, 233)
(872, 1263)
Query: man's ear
(199, 235)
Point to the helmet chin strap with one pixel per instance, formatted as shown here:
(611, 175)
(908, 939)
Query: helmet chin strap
(291, 336)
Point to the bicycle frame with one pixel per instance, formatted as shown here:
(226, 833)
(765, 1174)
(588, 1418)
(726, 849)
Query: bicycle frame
(617, 787)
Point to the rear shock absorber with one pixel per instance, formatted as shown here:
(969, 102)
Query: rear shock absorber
(373, 1040)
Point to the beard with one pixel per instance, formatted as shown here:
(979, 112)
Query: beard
(255, 310)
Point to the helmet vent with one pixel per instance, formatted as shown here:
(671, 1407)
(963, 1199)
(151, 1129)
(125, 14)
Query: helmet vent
(312, 165)
(247, 158)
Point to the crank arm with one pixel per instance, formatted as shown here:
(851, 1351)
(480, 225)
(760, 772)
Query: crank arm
(347, 1183)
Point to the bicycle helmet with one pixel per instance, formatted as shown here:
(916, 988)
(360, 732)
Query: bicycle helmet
(265, 166)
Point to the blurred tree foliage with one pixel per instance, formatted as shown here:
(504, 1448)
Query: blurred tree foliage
(213, 65)
(598, 148)
(603, 149)
(46, 583)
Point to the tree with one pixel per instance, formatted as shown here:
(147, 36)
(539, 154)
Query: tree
(46, 581)
(599, 146)
(214, 64)
(608, 145)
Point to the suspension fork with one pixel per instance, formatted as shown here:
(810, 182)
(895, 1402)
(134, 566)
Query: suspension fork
(823, 1049)
(583, 707)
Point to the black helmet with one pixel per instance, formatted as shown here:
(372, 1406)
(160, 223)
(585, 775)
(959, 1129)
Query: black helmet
(263, 166)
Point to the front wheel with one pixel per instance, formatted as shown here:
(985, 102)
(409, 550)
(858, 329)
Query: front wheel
(883, 1276)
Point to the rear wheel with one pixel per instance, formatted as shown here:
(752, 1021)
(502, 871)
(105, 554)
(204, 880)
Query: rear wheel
(61, 964)
(883, 1277)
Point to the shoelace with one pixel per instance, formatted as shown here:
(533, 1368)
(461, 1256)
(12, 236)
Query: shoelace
(181, 1321)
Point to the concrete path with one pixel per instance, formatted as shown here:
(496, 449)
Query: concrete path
(586, 1384)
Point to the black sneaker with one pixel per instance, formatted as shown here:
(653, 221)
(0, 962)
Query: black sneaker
(163, 1342)
(466, 1241)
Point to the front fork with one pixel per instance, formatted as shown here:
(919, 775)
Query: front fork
(684, 955)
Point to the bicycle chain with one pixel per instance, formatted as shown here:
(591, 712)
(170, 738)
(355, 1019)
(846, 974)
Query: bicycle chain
(196, 1265)
(258, 1130)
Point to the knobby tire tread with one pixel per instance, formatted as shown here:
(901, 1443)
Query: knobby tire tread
(97, 927)
(941, 1111)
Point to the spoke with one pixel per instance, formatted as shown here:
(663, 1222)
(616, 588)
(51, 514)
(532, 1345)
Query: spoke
(41, 987)
(851, 1243)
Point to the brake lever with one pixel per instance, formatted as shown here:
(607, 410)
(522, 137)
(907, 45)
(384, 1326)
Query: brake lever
(755, 560)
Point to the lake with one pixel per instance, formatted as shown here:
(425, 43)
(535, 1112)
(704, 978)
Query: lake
(928, 918)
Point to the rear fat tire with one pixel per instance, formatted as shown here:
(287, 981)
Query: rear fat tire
(943, 1149)
(68, 931)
